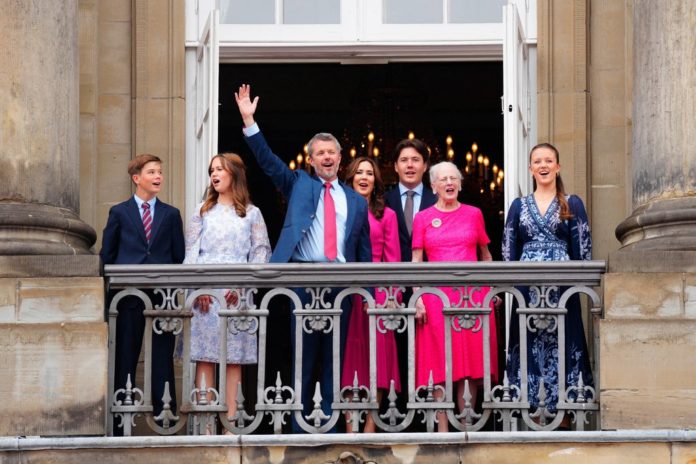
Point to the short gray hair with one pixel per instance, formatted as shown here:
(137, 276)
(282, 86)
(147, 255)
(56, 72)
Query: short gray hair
(324, 137)
(436, 168)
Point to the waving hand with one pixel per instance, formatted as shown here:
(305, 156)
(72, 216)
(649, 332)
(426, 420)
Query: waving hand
(247, 107)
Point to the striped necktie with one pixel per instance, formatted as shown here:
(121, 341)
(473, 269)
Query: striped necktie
(147, 221)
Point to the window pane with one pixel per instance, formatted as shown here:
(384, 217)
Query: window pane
(476, 11)
(413, 11)
(312, 11)
(247, 11)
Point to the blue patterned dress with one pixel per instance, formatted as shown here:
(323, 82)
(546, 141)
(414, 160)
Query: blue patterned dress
(222, 237)
(529, 236)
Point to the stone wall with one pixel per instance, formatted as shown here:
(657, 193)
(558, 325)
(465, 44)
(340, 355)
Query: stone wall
(53, 355)
(131, 99)
(648, 341)
(459, 448)
(584, 105)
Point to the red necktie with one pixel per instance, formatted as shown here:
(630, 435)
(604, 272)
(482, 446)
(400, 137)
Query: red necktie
(329, 224)
(147, 221)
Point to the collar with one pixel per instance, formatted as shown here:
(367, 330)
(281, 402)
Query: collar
(335, 184)
(139, 201)
(403, 189)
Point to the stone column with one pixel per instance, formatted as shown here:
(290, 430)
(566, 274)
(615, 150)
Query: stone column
(39, 129)
(664, 128)
(647, 343)
(53, 338)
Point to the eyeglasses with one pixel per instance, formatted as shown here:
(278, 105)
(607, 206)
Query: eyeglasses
(452, 179)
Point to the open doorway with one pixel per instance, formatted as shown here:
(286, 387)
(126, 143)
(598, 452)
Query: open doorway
(434, 100)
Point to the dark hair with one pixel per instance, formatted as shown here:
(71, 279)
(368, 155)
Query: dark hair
(560, 189)
(233, 164)
(416, 144)
(376, 202)
(136, 164)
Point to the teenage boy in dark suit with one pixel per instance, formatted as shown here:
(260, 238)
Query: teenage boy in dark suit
(143, 230)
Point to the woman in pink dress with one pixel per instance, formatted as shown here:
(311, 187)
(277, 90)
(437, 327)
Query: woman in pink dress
(363, 175)
(450, 231)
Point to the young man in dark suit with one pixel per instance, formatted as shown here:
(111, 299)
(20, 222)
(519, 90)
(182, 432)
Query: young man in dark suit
(143, 230)
(407, 198)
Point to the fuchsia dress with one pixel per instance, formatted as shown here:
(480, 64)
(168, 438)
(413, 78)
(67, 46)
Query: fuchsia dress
(384, 235)
(451, 236)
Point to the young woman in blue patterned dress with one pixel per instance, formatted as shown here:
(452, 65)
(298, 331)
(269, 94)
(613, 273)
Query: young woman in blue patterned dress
(548, 225)
(225, 229)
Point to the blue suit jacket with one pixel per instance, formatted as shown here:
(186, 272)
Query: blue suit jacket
(123, 241)
(302, 192)
(393, 200)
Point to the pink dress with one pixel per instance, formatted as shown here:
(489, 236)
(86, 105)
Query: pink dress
(451, 236)
(384, 235)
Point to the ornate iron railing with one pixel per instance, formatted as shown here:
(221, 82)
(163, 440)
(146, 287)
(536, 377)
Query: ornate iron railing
(177, 287)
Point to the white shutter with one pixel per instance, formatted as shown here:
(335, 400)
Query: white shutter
(516, 106)
(206, 108)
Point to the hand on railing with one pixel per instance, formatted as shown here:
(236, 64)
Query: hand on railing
(202, 303)
(231, 297)
(421, 315)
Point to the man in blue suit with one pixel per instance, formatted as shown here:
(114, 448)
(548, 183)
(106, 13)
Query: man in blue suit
(305, 237)
(143, 230)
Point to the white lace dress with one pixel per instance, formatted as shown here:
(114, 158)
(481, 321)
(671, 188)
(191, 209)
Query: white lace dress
(220, 236)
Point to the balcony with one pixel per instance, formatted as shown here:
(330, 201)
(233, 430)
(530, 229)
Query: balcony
(272, 404)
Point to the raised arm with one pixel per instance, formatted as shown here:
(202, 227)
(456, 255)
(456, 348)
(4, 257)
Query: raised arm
(247, 107)
(275, 168)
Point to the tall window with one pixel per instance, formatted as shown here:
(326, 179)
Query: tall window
(280, 11)
(442, 12)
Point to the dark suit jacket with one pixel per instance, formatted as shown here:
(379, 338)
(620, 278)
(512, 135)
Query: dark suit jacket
(393, 200)
(302, 192)
(124, 240)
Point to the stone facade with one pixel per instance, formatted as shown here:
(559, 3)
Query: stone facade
(131, 100)
(460, 448)
(132, 81)
(53, 336)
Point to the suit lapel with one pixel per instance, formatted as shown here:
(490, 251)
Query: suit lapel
(428, 199)
(398, 208)
(160, 211)
(317, 189)
(350, 202)
(134, 216)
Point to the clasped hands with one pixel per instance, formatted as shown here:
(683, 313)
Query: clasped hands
(203, 302)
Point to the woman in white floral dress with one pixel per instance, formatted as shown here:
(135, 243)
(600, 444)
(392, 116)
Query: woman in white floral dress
(225, 229)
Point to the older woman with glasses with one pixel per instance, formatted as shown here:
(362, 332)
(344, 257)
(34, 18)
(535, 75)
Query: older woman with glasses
(450, 231)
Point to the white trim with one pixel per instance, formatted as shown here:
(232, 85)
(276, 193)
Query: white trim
(361, 22)
(517, 106)
(347, 53)
(202, 109)
(358, 42)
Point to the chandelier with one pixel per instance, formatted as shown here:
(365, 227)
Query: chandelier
(478, 173)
